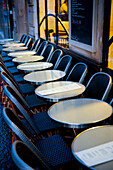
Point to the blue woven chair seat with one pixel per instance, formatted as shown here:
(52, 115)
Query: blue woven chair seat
(44, 122)
(33, 101)
(7, 58)
(19, 78)
(9, 64)
(55, 150)
(13, 70)
(3, 54)
(26, 88)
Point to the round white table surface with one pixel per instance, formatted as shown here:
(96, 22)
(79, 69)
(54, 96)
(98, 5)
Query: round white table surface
(25, 59)
(6, 40)
(13, 45)
(80, 113)
(94, 137)
(40, 77)
(21, 53)
(11, 49)
(59, 90)
(34, 66)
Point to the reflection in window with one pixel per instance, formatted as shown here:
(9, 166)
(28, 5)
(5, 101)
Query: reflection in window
(51, 21)
(41, 15)
(110, 53)
(63, 15)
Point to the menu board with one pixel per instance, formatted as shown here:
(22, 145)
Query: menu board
(81, 21)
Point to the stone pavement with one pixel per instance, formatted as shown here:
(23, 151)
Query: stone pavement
(6, 162)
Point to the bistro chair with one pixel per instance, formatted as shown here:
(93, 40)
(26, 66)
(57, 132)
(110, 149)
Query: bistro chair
(19, 78)
(28, 43)
(111, 102)
(46, 53)
(25, 158)
(54, 149)
(77, 73)
(13, 69)
(35, 45)
(11, 64)
(27, 40)
(23, 90)
(4, 54)
(41, 48)
(22, 38)
(55, 57)
(38, 121)
(99, 86)
(7, 64)
(63, 64)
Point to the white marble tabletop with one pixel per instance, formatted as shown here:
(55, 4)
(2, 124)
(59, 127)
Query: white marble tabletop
(80, 113)
(13, 45)
(26, 59)
(29, 67)
(21, 53)
(11, 49)
(40, 77)
(94, 137)
(59, 90)
(6, 40)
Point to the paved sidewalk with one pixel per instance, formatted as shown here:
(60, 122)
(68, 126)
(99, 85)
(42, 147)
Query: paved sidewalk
(6, 161)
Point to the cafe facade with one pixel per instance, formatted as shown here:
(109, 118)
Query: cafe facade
(85, 31)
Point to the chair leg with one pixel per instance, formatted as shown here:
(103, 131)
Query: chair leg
(0, 88)
(14, 137)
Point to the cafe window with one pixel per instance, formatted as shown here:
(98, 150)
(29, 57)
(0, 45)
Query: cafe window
(53, 21)
(110, 51)
(5, 30)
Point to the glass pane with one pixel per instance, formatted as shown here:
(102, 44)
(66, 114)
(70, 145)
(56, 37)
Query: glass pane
(63, 18)
(51, 20)
(63, 15)
(110, 54)
(4, 20)
(41, 15)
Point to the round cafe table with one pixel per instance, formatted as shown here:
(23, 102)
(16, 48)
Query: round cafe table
(12, 49)
(3, 41)
(34, 66)
(14, 45)
(40, 77)
(21, 53)
(80, 113)
(59, 90)
(26, 59)
(91, 138)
